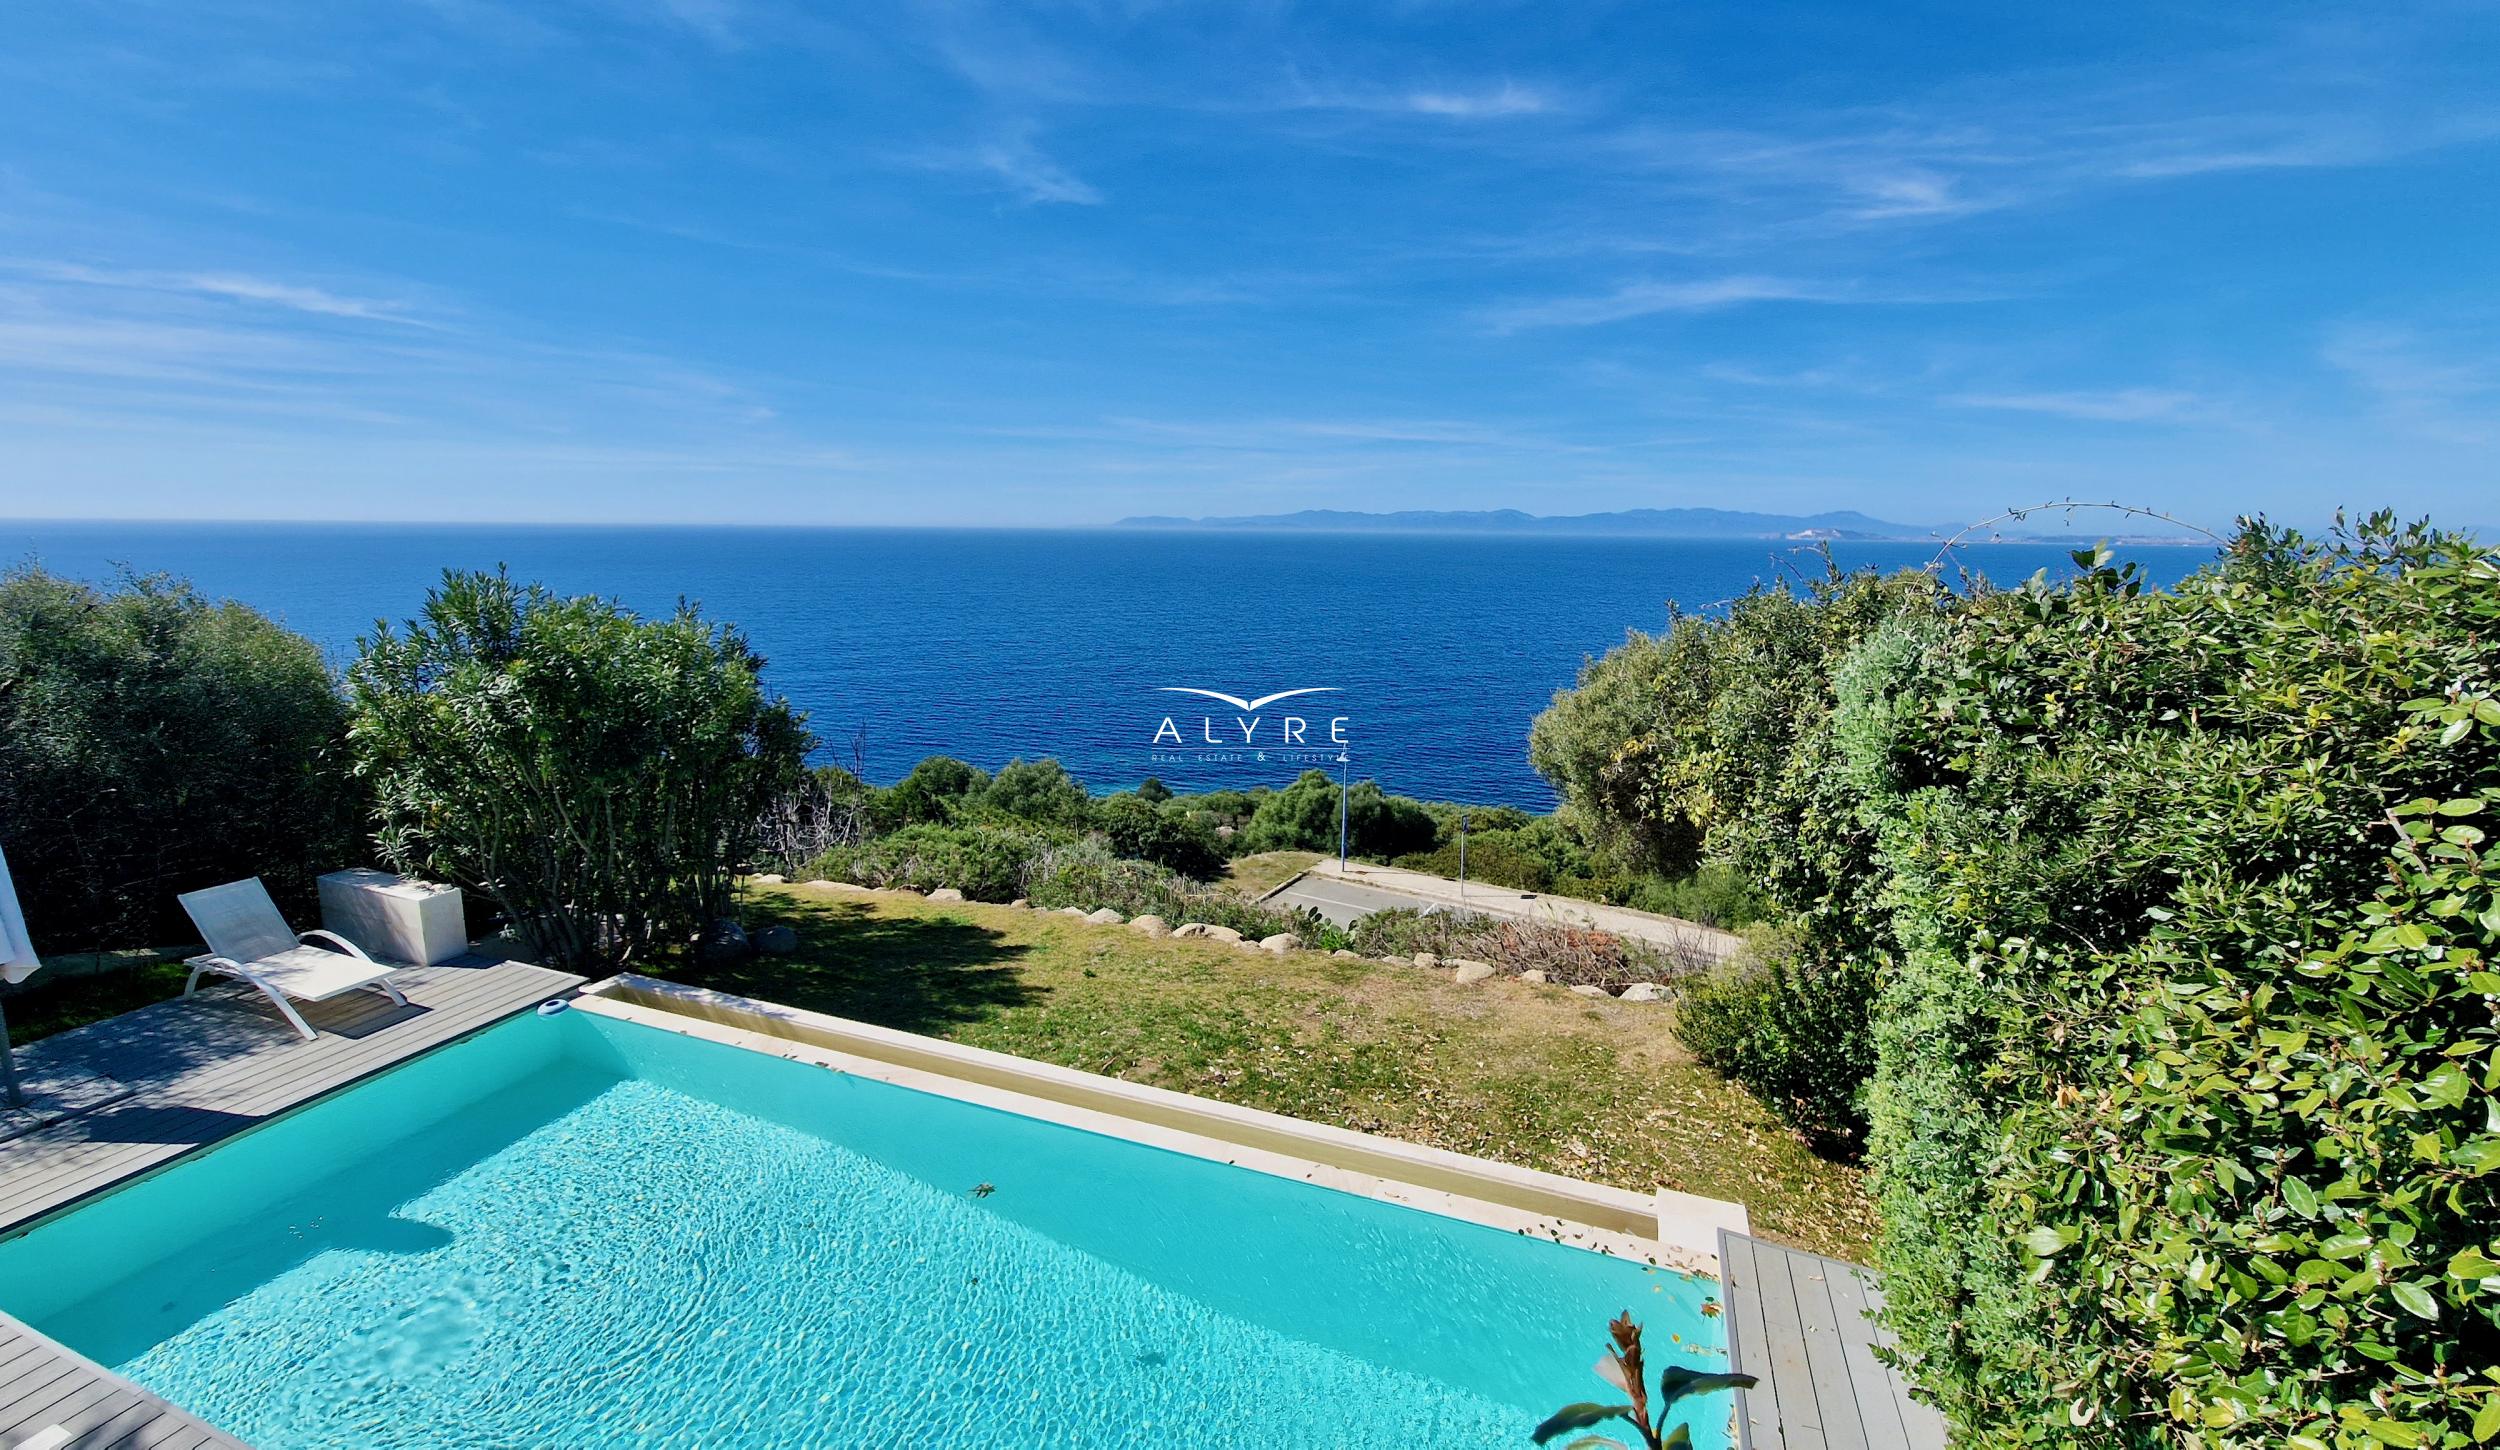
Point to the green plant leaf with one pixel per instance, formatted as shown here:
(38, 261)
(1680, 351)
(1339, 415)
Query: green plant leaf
(2417, 1301)
(2487, 1420)
(1676, 1381)
(2302, 1198)
(1577, 1417)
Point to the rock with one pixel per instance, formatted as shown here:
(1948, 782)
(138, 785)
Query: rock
(946, 893)
(1210, 933)
(1348, 955)
(1019, 904)
(1426, 959)
(904, 890)
(723, 943)
(768, 879)
(1534, 975)
(1470, 973)
(842, 885)
(1151, 925)
(1104, 916)
(828, 885)
(1283, 941)
(1584, 990)
(1075, 911)
(774, 941)
(1224, 833)
(1644, 992)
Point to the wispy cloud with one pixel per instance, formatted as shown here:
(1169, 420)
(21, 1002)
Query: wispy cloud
(226, 286)
(1644, 299)
(2118, 405)
(2443, 388)
(1508, 99)
(1013, 159)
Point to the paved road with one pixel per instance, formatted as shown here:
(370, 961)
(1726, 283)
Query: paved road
(1344, 902)
(1358, 891)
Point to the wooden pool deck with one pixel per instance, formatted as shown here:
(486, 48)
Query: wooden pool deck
(1799, 1321)
(171, 1079)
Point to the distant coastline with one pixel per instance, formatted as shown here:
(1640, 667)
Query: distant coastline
(1672, 523)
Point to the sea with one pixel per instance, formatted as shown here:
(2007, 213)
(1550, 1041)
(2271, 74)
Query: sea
(1418, 660)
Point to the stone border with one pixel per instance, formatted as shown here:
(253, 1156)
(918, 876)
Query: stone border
(1677, 1230)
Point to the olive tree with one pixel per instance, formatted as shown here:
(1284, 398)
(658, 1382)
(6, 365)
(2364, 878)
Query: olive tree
(598, 775)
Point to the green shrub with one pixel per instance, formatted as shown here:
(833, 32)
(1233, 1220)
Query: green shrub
(598, 776)
(1493, 860)
(1793, 1030)
(152, 743)
(1303, 817)
(1169, 835)
(936, 788)
(1715, 894)
(1039, 791)
(2187, 1122)
(984, 862)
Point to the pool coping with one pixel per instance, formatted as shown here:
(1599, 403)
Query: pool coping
(1670, 1228)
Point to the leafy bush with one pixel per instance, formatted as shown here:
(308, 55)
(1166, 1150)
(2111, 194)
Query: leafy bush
(1303, 817)
(1040, 791)
(2190, 1079)
(931, 794)
(597, 775)
(151, 743)
(1494, 860)
(1716, 894)
(1793, 1030)
(1169, 834)
(984, 862)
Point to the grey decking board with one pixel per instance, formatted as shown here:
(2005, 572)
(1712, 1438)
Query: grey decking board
(1841, 1411)
(1783, 1356)
(1796, 1320)
(64, 1163)
(1741, 1311)
(1880, 1392)
(202, 1070)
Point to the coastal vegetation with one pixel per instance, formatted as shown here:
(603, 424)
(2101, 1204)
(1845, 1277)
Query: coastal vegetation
(599, 777)
(2169, 913)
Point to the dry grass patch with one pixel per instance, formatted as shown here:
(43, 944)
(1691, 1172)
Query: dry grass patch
(1256, 876)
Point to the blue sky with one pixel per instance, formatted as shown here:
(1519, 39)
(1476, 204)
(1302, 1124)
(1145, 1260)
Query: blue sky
(749, 260)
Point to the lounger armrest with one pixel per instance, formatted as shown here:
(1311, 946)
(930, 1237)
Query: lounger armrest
(344, 944)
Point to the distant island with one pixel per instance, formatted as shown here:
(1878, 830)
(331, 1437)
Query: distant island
(1676, 523)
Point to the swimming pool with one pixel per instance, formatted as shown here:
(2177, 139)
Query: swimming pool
(580, 1231)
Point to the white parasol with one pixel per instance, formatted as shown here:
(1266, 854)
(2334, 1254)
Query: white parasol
(17, 963)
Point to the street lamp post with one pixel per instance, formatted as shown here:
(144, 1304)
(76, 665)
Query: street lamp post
(1343, 768)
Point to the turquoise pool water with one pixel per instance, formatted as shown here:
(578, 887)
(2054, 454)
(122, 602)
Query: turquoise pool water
(573, 1231)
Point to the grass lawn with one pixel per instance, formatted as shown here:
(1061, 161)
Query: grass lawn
(1505, 1070)
(1256, 876)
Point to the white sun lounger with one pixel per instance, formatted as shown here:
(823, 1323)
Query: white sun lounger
(249, 941)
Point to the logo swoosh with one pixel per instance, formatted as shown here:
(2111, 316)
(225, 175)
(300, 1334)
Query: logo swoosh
(1239, 703)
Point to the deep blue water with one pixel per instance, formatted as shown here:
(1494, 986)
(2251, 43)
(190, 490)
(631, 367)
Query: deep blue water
(994, 644)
